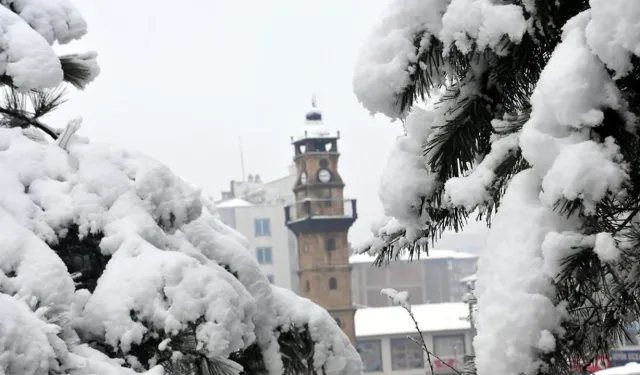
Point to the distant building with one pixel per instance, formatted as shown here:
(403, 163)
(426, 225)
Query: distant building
(381, 338)
(431, 279)
(256, 209)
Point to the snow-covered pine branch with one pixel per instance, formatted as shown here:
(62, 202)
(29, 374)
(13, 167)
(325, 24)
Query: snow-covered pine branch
(566, 180)
(115, 255)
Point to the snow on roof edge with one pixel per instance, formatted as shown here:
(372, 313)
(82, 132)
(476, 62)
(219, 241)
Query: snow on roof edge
(234, 202)
(433, 254)
(433, 317)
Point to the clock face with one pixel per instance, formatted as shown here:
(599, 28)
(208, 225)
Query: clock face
(303, 178)
(324, 175)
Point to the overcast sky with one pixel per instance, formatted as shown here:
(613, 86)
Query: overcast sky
(182, 80)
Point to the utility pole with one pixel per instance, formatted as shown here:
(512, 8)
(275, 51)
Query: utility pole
(470, 299)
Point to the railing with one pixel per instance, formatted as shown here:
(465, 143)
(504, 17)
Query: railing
(321, 208)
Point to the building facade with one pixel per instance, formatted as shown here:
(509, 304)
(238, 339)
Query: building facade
(430, 279)
(381, 339)
(256, 209)
(320, 218)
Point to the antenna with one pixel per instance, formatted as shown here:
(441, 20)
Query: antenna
(242, 160)
(313, 100)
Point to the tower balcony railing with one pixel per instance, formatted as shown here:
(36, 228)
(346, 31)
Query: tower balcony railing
(321, 208)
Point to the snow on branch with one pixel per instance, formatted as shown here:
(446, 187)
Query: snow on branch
(390, 56)
(26, 57)
(56, 20)
(119, 252)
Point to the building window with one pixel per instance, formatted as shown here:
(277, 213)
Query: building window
(331, 244)
(271, 278)
(333, 283)
(338, 321)
(449, 346)
(262, 227)
(264, 255)
(305, 248)
(307, 286)
(406, 355)
(371, 353)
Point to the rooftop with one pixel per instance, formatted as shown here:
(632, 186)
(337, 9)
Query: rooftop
(395, 320)
(234, 202)
(433, 254)
(469, 279)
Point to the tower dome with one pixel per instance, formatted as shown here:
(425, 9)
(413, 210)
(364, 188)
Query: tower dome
(314, 115)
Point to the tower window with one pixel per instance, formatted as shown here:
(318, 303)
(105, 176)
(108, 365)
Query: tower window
(324, 163)
(338, 322)
(331, 244)
(333, 283)
(262, 227)
(264, 255)
(307, 286)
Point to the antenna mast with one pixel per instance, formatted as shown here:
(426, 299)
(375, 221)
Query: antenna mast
(242, 161)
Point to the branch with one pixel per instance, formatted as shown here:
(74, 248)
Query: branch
(424, 345)
(30, 121)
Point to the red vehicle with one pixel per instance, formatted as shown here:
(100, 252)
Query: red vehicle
(600, 363)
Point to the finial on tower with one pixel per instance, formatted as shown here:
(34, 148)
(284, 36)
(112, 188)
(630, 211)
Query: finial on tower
(314, 114)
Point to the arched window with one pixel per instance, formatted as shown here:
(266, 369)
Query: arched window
(333, 283)
(331, 244)
(307, 286)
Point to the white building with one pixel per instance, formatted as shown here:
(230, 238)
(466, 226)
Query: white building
(381, 337)
(433, 278)
(256, 209)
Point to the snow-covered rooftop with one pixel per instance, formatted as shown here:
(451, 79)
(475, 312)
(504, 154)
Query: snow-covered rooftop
(395, 320)
(631, 368)
(469, 279)
(433, 254)
(314, 127)
(234, 202)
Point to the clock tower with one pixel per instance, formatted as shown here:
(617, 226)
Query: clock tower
(320, 218)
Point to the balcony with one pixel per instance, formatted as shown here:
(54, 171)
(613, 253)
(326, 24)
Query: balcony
(321, 215)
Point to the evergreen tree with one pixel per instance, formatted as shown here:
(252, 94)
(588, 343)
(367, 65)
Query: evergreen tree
(112, 265)
(522, 113)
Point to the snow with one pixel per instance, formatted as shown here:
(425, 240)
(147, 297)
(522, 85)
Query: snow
(569, 160)
(29, 29)
(398, 298)
(567, 102)
(472, 190)
(234, 202)
(511, 278)
(586, 170)
(340, 357)
(384, 67)
(481, 22)
(605, 247)
(172, 262)
(613, 33)
(26, 56)
(404, 256)
(405, 178)
(469, 279)
(56, 20)
(631, 368)
(435, 317)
